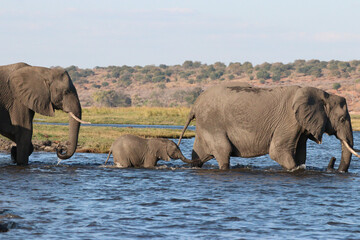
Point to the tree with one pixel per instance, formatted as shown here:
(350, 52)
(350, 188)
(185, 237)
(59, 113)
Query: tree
(235, 68)
(262, 74)
(125, 79)
(247, 66)
(187, 64)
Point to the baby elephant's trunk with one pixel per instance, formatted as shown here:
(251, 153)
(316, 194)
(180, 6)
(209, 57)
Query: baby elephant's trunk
(192, 162)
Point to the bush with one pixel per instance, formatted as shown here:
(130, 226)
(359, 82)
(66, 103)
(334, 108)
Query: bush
(262, 74)
(162, 86)
(187, 64)
(192, 95)
(276, 77)
(188, 96)
(216, 75)
(104, 84)
(336, 86)
(112, 98)
(126, 79)
(235, 68)
(160, 78)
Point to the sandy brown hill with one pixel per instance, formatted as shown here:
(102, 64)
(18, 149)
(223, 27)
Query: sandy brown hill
(182, 85)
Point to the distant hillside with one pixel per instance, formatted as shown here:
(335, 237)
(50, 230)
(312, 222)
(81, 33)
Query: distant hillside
(180, 85)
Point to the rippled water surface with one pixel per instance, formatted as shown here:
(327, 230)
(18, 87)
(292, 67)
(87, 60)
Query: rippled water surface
(256, 199)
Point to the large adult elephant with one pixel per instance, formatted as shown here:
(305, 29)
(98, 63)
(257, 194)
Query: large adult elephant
(240, 120)
(24, 90)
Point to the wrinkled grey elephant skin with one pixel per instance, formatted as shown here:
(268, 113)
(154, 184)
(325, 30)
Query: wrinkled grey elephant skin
(25, 90)
(133, 151)
(240, 120)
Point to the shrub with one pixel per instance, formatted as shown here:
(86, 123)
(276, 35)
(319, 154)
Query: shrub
(112, 98)
(188, 96)
(126, 79)
(276, 77)
(159, 78)
(235, 68)
(262, 74)
(104, 84)
(162, 86)
(246, 66)
(316, 72)
(192, 95)
(196, 64)
(187, 64)
(336, 86)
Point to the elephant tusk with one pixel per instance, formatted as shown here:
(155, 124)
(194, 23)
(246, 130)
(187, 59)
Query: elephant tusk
(356, 150)
(77, 119)
(350, 149)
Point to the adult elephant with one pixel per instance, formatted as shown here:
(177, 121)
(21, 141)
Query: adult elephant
(245, 121)
(25, 90)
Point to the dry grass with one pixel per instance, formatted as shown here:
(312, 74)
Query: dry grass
(355, 122)
(130, 115)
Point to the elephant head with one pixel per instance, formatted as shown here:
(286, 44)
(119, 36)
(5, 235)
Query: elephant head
(172, 151)
(43, 90)
(319, 112)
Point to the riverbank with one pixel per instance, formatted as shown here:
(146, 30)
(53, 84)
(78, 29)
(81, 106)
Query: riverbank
(91, 139)
(99, 139)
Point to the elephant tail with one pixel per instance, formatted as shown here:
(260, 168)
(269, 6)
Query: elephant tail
(190, 118)
(108, 156)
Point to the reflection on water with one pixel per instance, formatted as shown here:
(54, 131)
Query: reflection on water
(83, 199)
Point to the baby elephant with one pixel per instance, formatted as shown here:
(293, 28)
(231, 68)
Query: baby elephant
(133, 151)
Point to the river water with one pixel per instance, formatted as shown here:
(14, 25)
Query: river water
(256, 199)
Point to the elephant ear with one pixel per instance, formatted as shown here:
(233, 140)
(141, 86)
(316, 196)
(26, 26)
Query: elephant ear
(309, 109)
(30, 86)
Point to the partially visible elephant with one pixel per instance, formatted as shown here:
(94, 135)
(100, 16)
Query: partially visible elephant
(241, 120)
(25, 90)
(134, 151)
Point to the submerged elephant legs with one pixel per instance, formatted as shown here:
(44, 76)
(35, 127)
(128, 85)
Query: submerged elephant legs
(217, 147)
(289, 153)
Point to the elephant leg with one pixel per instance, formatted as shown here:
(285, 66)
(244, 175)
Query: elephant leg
(23, 149)
(282, 155)
(283, 147)
(23, 152)
(13, 153)
(221, 149)
(300, 155)
(150, 162)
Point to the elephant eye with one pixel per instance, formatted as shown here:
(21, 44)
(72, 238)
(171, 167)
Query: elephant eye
(342, 119)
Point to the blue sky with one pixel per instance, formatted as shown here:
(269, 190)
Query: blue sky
(143, 32)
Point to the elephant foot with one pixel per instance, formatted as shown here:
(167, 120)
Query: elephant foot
(224, 166)
(13, 154)
(196, 163)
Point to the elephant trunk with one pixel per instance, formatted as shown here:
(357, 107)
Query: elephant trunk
(347, 143)
(74, 126)
(185, 160)
(194, 163)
